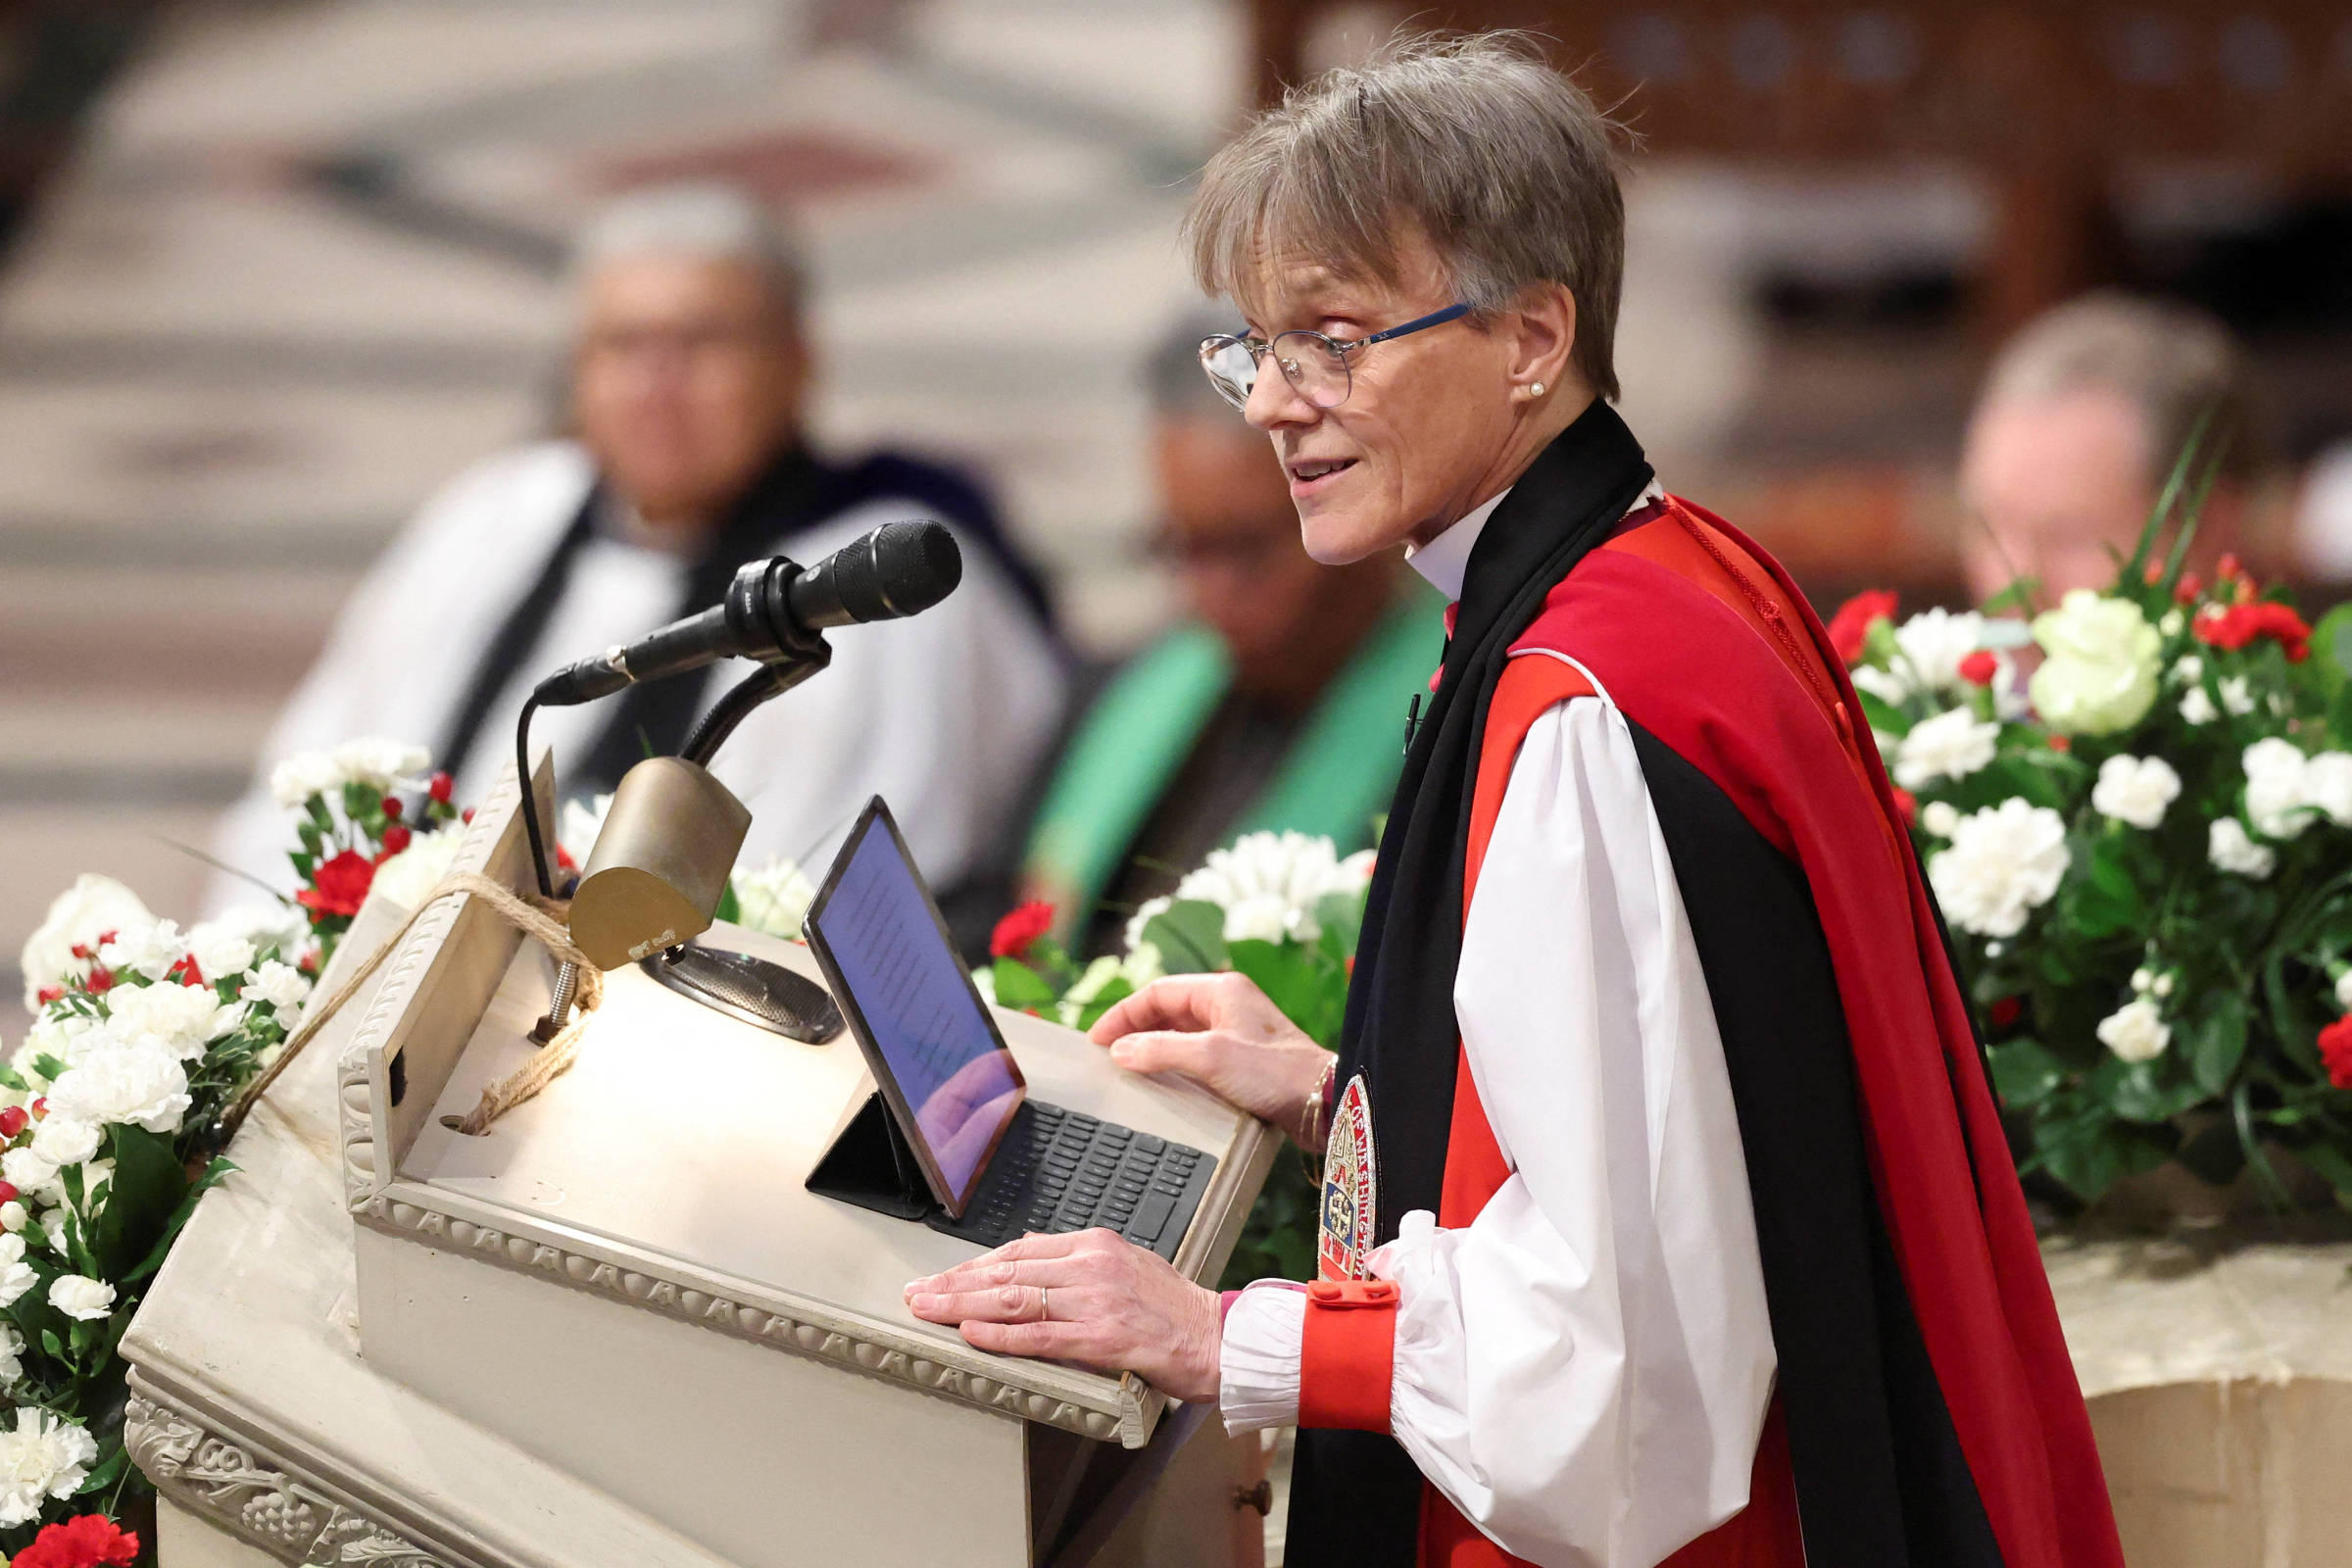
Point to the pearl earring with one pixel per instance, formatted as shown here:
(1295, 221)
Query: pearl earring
(1536, 390)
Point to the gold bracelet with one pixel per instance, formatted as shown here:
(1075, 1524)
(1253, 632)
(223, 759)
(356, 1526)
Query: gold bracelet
(1311, 1115)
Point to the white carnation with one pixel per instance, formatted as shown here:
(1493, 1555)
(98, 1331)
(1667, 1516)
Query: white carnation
(2003, 862)
(1939, 817)
(28, 1171)
(2276, 802)
(12, 1218)
(1259, 917)
(2136, 1031)
(407, 878)
(2343, 990)
(381, 763)
(1931, 645)
(2136, 789)
(295, 780)
(280, 985)
(2328, 785)
(136, 1082)
(66, 1038)
(265, 925)
(63, 1139)
(1143, 964)
(148, 949)
(2197, 707)
(80, 1298)
(77, 918)
(984, 981)
(12, 1353)
(2238, 695)
(1290, 871)
(46, 1457)
(774, 898)
(1885, 684)
(1951, 745)
(2232, 849)
(1145, 913)
(181, 1019)
(16, 1275)
(53, 1229)
(219, 953)
(578, 824)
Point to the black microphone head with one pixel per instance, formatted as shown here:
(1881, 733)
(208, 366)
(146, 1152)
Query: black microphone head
(901, 569)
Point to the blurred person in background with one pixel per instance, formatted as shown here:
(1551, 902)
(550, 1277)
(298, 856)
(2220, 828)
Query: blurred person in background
(1276, 704)
(2080, 424)
(690, 386)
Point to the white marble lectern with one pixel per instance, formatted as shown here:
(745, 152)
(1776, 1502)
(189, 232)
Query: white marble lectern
(617, 1328)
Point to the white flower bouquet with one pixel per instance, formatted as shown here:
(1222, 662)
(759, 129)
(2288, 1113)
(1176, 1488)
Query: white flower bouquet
(2145, 852)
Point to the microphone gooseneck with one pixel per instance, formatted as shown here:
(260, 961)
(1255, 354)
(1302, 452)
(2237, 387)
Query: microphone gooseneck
(774, 611)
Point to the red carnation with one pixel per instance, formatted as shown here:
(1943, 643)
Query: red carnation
(1979, 667)
(89, 1541)
(1018, 930)
(339, 886)
(2239, 624)
(101, 980)
(1850, 627)
(83, 951)
(441, 788)
(2190, 585)
(392, 807)
(2006, 1011)
(395, 839)
(2336, 1050)
(2060, 743)
(185, 972)
(48, 994)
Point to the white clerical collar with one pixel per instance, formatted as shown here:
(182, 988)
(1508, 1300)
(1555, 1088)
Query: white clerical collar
(1444, 560)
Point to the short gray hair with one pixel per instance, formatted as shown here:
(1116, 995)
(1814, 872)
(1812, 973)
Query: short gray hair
(704, 219)
(1504, 163)
(2175, 364)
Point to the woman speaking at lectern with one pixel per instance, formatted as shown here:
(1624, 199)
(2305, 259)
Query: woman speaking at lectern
(1667, 1213)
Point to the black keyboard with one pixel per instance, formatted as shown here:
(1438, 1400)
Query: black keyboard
(1058, 1170)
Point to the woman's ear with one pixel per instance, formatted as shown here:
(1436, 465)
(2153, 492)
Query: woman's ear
(1539, 341)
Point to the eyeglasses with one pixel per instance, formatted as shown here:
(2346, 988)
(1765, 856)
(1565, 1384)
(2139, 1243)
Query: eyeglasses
(1313, 363)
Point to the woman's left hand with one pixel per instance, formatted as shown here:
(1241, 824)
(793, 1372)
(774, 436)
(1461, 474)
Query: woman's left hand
(1090, 1297)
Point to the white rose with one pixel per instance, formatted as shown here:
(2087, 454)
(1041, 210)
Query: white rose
(181, 1019)
(2136, 1031)
(149, 949)
(382, 764)
(2197, 707)
(137, 1083)
(1931, 645)
(46, 1457)
(280, 985)
(81, 1298)
(12, 1353)
(2136, 789)
(295, 780)
(774, 898)
(1259, 917)
(1951, 745)
(2276, 802)
(63, 1139)
(77, 918)
(2232, 849)
(2100, 675)
(2328, 785)
(219, 953)
(1939, 817)
(2003, 862)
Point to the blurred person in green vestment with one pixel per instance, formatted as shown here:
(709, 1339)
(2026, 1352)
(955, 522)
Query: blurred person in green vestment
(1278, 701)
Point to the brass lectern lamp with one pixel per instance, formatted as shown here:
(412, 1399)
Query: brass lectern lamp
(661, 864)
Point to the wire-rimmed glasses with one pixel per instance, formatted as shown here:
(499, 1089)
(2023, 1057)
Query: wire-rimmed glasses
(1312, 362)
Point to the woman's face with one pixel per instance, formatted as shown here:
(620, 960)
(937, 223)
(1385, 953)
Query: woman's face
(1425, 432)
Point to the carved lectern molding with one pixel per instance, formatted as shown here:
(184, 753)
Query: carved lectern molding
(806, 1333)
(233, 1484)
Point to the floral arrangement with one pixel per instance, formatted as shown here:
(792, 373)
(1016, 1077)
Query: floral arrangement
(351, 819)
(143, 1034)
(2144, 849)
(1283, 908)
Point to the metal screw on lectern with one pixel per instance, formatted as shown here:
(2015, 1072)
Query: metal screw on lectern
(558, 1005)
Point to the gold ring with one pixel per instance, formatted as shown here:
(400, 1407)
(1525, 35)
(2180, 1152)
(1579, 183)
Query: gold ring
(1042, 1313)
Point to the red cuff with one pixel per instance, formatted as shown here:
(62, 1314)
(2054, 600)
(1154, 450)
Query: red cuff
(1347, 1353)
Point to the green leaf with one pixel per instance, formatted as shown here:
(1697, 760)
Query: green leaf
(214, 1175)
(1294, 982)
(48, 1066)
(1110, 996)
(1020, 987)
(2024, 1073)
(1882, 715)
(1341, 917)
(2217, 1041)
(730, 908)
(11, 1079)
(1190, 937)
(106, 1472)
(150, 1184)
(2149, 1093)
(2019, 595)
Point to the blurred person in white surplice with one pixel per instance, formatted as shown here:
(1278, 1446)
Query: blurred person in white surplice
(690, 381)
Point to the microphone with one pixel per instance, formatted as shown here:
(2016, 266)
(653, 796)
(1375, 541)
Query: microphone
(774, 610)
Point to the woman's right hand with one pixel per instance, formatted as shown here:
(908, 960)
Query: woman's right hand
(1221, 1030)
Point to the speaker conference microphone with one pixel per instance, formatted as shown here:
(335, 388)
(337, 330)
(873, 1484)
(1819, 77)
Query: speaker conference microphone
(774, 611)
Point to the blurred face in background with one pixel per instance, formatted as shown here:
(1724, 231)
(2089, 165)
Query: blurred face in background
(1230, 536)
(2059, 488)
(690, 376)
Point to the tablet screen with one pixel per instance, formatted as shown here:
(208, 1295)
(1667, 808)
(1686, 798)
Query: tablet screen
(934, 1050)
